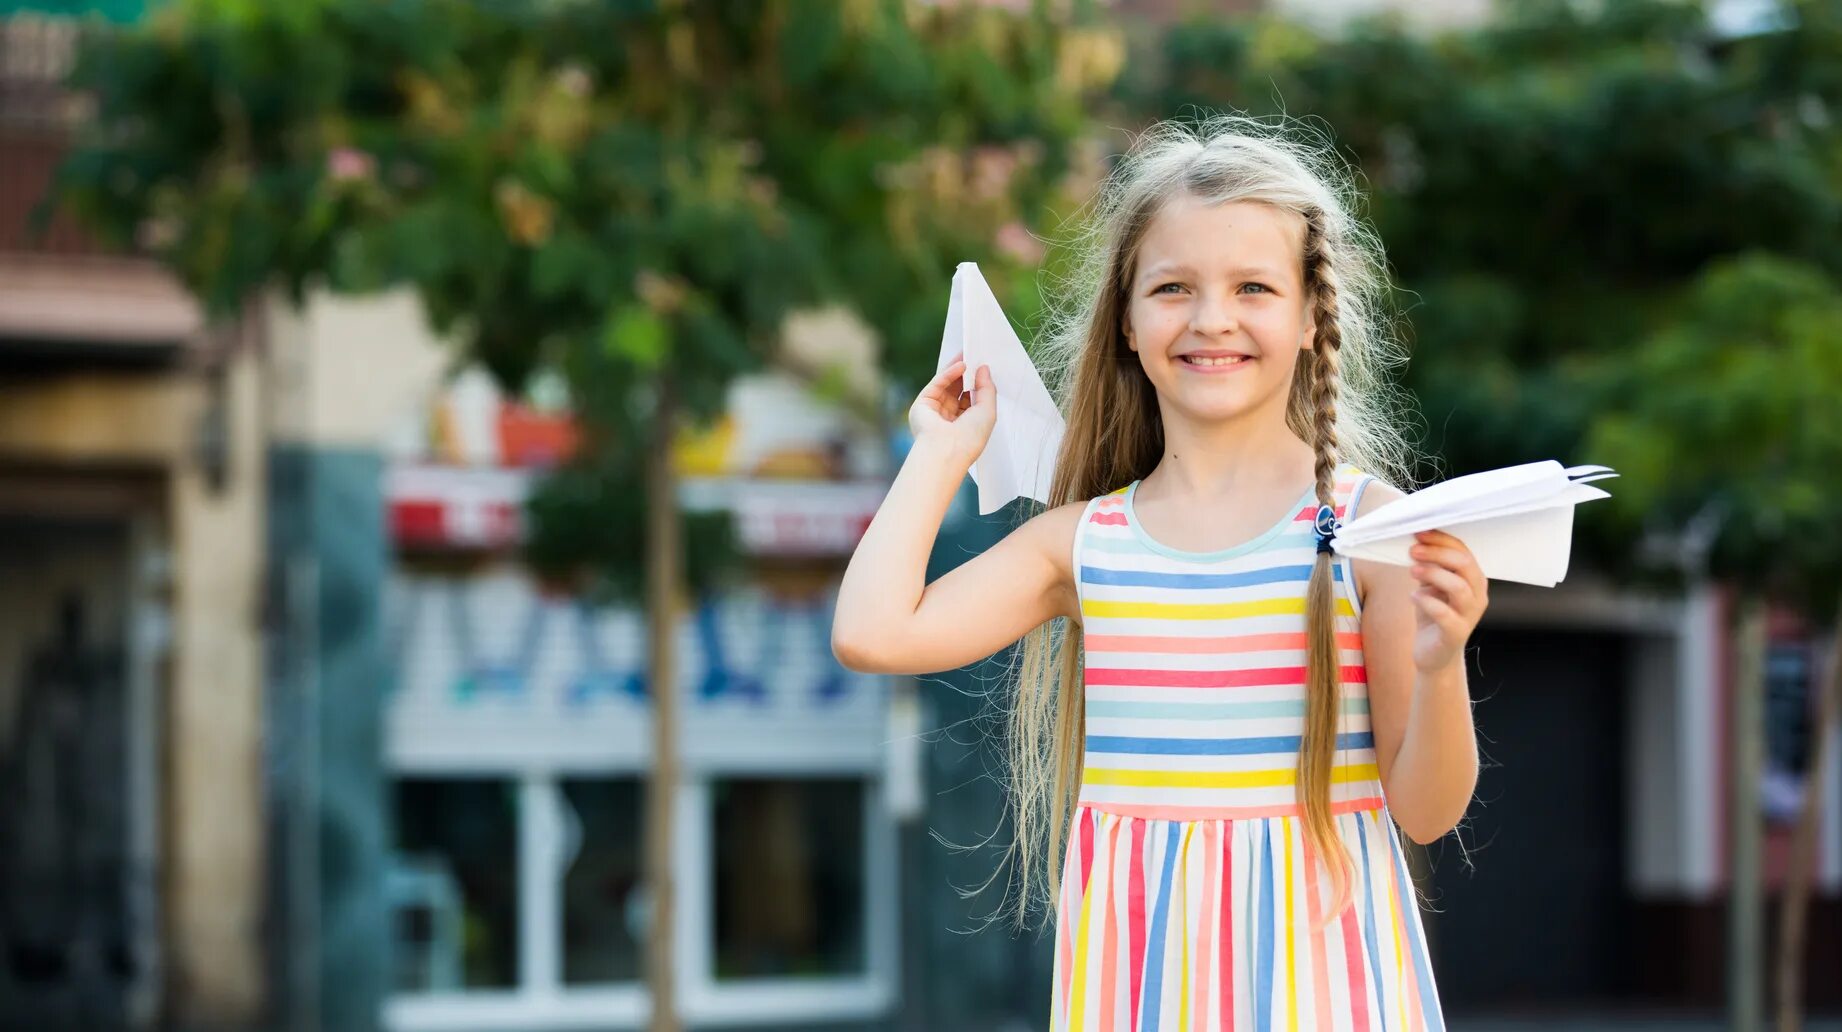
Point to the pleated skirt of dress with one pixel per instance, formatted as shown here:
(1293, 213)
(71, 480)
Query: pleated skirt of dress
(1206, 926)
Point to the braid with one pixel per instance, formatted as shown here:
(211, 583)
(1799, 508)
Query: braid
(1325, 379)
(1324, 687)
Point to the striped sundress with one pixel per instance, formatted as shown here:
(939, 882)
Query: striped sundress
(1188, 892)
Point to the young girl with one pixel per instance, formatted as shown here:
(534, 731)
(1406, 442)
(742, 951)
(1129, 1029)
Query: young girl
(1227, 746)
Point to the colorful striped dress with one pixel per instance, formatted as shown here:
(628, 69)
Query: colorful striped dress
(1188, 892)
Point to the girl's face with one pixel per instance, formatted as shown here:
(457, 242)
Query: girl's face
(1215, 281)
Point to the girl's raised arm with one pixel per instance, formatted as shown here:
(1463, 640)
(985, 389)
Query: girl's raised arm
(888, 619)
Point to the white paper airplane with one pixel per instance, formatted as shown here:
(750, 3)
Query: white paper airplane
(1019, 459)
(1517, 521)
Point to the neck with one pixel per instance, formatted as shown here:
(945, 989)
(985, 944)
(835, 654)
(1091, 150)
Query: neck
(1256, 453)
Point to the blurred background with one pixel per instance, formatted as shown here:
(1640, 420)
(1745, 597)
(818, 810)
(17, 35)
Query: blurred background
(387, 387)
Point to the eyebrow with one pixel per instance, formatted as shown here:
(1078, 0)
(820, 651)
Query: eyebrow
(1172, 268)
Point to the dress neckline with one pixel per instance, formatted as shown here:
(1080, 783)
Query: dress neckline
(1145, 538)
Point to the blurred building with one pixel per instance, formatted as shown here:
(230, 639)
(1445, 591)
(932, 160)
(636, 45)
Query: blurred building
(517, 736)
(132, 508)
(290, 739)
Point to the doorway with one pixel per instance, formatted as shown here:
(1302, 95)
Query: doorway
(1537, 918)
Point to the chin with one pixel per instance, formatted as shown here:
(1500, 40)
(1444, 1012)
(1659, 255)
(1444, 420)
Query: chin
(1214, 410)
(1213, 404)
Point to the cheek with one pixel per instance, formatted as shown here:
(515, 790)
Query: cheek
(1154, 324)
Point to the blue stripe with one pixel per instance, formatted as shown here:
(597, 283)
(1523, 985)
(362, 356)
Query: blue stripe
(1367, 917)
(1199, 581)
(1153, 985)
(1263, 964)
(1208, 710)
(1216, 746)
(1429, 1000)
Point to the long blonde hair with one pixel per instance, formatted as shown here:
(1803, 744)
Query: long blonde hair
(1341, 402)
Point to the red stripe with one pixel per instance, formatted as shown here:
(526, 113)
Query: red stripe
(1109, 975)
(1110, 519)
(1087, 849)
(1135, 917)
(1227, 930)
(1352, 962)
(1259, 677)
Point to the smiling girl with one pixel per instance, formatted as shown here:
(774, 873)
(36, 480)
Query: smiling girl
(1207, 779)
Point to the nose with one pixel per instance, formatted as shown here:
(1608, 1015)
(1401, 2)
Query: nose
(1213, 316)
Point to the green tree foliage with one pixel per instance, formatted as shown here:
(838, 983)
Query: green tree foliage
(1554, 188)
(1736, 402)
(611, 190)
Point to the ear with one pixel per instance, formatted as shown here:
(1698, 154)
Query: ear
(1309, 341)
(1125, 330)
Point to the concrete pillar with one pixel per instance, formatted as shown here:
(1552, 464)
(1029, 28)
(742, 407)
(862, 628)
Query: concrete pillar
(214, 835)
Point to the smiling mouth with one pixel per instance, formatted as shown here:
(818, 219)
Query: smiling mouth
(1207, 363)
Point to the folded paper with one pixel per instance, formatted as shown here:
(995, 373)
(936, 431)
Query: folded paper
(1517, 521)
(1019, 459)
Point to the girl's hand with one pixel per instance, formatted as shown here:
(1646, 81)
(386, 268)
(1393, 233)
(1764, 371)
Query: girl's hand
(1452, 596)
(962, 423)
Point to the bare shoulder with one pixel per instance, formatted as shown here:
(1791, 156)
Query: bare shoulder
(1374, 496)
(1052, 533)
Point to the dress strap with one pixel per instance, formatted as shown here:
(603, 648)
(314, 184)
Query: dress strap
(1354, 501)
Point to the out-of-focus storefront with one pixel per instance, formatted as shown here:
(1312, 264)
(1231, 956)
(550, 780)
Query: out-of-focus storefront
(518, 736)
(131, 509)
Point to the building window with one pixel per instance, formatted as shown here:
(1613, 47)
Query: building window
(603, 931)
(788, 877)
(453, 886)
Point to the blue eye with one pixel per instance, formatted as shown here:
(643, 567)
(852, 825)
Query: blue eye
(1160, 289)
(1262, 286)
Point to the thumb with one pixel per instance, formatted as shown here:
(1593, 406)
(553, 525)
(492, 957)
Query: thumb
(986, 393)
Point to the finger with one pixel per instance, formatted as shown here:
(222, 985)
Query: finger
(1437, 611)
(1458, 590)
(945, 387)
(986, 394)
(1456, 559)
(1460, 561)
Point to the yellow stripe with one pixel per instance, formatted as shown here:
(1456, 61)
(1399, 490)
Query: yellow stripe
(1077, 981)
(1400, 956)
(1183, 987)
(1204, 610)
(1220, 779)
(1285, 827)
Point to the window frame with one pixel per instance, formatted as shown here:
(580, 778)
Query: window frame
(543, 1001)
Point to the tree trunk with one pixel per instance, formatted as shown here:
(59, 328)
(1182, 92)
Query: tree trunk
(664, 570)
(1794, 905)
(1745, 899)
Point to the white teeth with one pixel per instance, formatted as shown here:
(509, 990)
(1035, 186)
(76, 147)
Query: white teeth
(1195, 360)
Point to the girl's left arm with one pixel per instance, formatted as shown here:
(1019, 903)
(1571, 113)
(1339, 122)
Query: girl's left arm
(1415, 623)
